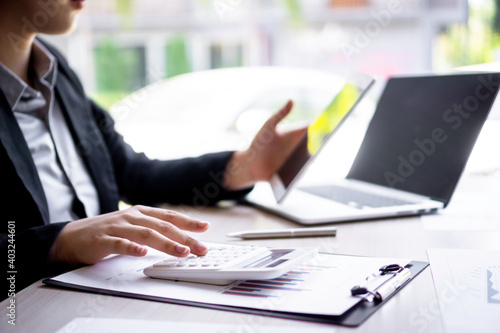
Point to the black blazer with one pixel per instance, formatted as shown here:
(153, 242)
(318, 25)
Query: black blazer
(118, 173)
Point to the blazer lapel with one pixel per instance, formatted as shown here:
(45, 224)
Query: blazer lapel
(15, 145)
(89, 142)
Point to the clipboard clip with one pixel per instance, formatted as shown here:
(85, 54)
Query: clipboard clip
(399, 276)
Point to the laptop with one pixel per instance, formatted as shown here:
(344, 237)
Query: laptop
(410, 160)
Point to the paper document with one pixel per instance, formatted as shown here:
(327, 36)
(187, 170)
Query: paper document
(467, 285)
(320, 286)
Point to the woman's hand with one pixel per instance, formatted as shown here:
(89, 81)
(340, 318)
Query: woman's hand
(127, 232)
(267, 152)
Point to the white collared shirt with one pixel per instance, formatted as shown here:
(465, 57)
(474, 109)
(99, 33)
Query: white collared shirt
(46, 132)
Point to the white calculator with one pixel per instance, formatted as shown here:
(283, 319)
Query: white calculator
(226, 263)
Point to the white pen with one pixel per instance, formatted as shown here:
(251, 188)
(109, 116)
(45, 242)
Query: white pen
(285, 233)
(391, 285)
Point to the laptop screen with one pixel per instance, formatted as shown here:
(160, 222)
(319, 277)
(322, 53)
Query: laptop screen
(318, 133)
(423, 131)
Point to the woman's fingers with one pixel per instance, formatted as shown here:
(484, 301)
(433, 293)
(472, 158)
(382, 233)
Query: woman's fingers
(127, 232)
(167, 238)
(272, 122)
(168, 225)
(181, 221)
(118, 245)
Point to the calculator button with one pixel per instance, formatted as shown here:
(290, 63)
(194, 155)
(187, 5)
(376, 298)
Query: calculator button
(216, 258)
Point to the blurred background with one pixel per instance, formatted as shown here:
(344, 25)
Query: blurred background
(121, 46)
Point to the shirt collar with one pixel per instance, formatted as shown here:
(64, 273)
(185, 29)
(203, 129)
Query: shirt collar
(44, 64)
(19, 95)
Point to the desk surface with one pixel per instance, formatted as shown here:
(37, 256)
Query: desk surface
(471, 221)
(45, 309)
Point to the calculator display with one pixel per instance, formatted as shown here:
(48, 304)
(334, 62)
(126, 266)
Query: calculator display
(271, 259)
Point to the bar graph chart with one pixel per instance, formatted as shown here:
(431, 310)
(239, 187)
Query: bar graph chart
(293, 281)
(493, 284)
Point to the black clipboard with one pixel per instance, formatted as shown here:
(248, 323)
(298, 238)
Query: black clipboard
(351, 318)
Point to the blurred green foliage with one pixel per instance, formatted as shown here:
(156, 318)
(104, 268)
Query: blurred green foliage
(294, 12)
(125, 8)
(177, 57)
(496, 17)
(119, 71)
(475, 42)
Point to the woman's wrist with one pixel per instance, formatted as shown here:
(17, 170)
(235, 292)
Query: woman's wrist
(239, 173)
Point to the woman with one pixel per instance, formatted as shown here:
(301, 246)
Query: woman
(65, 168)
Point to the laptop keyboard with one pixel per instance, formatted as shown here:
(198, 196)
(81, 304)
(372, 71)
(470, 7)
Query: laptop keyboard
(353, 198)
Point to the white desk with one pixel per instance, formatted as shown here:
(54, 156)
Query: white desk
(46, 309)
